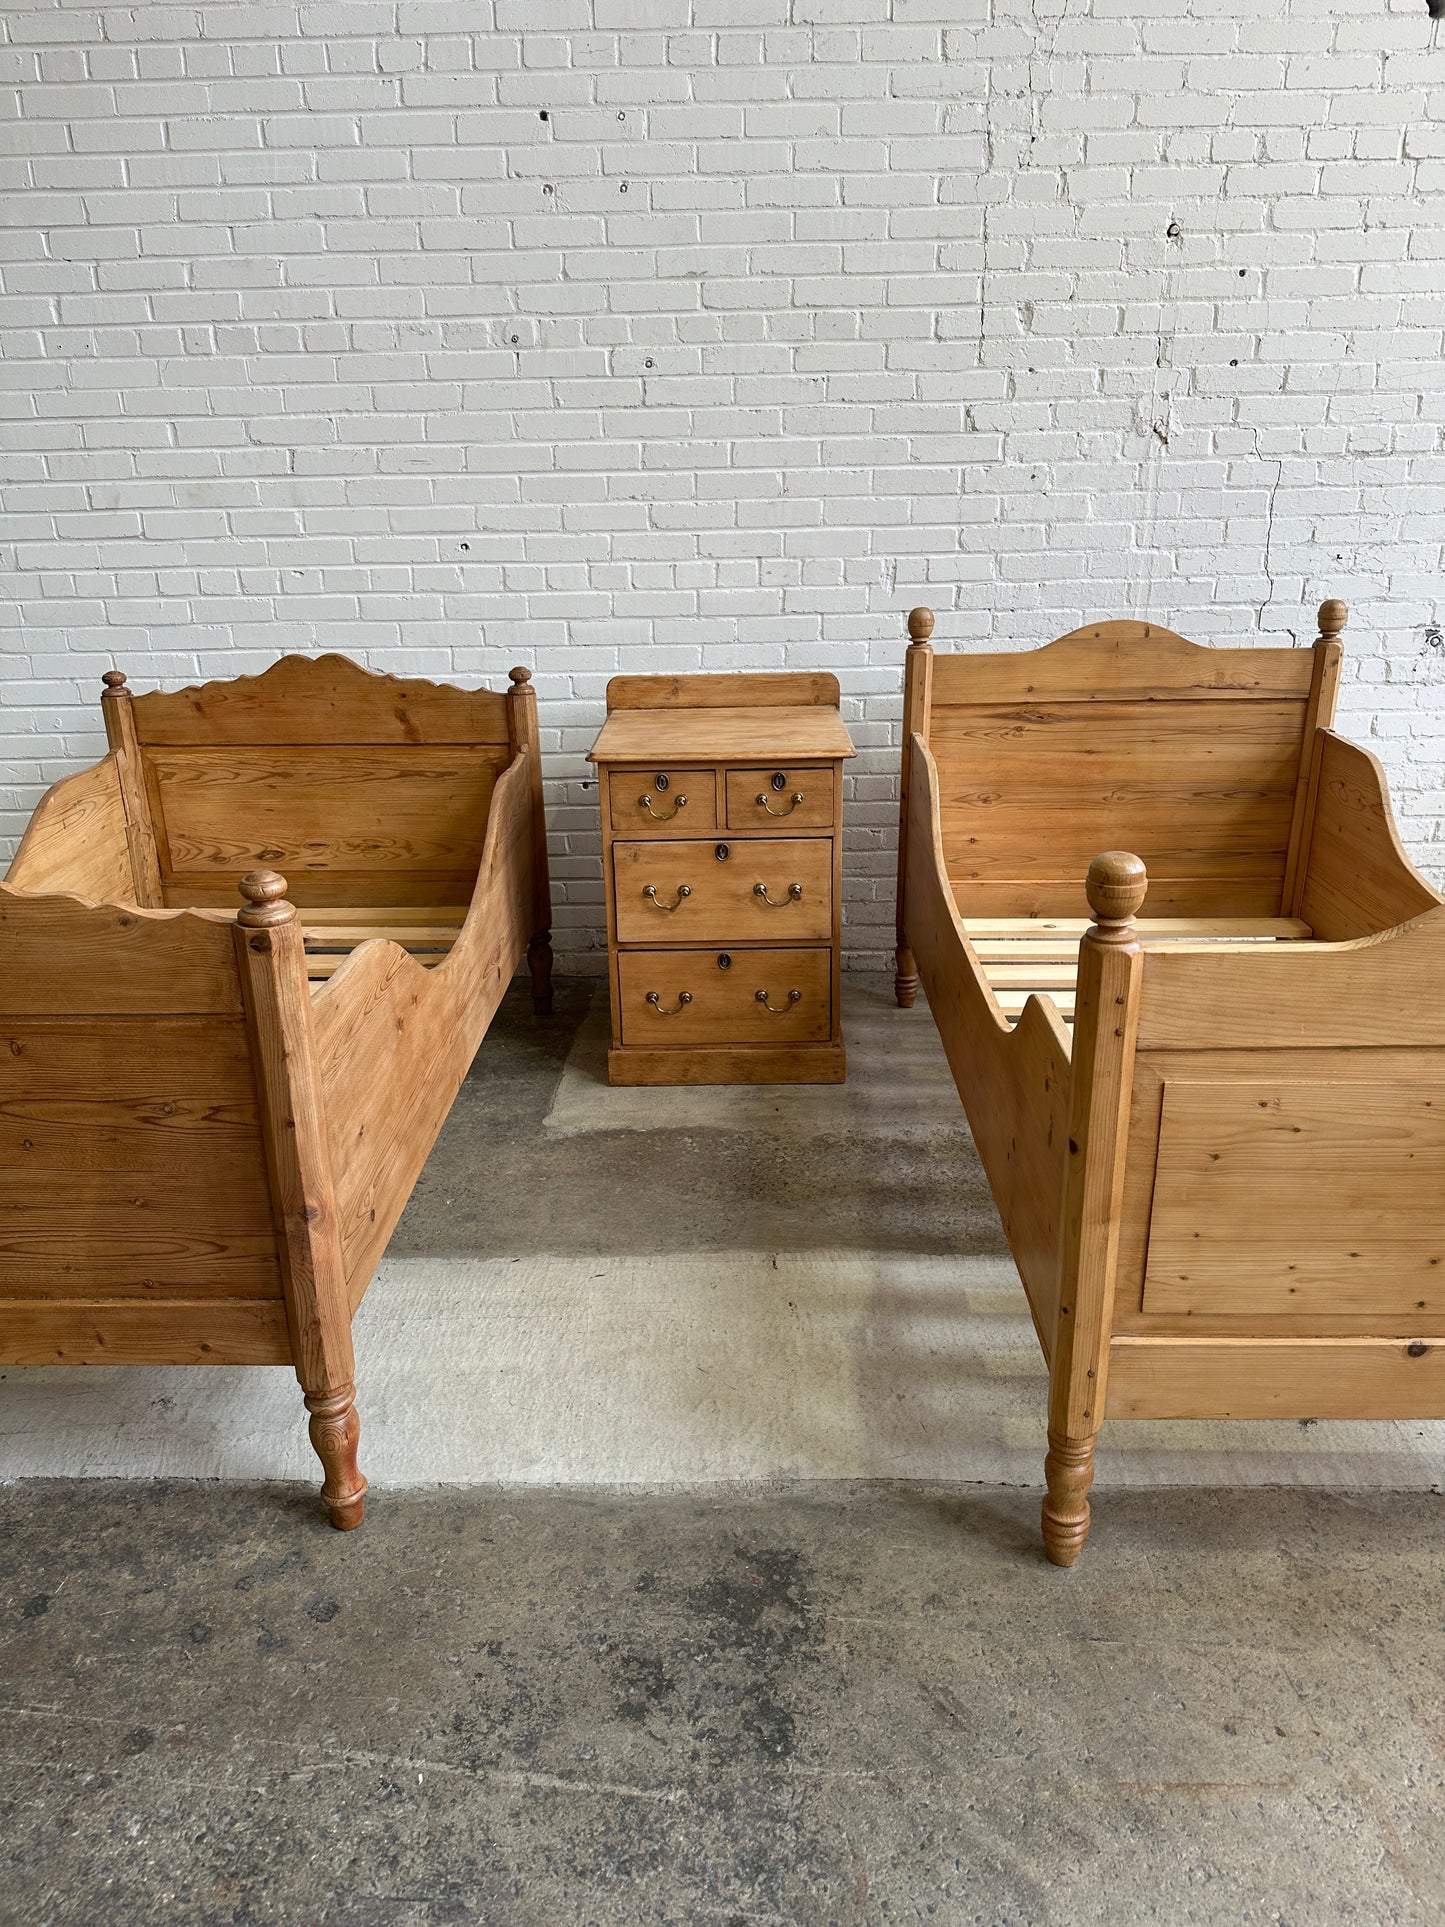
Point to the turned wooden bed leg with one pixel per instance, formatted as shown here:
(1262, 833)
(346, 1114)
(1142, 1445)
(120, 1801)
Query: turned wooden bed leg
(539, 962)
(905, 981)
(1106, 1016)
(917, 698)
(1068, 1473)
(335, 1430)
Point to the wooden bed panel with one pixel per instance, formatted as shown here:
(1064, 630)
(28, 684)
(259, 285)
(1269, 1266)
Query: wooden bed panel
(1370, 994)
(304, 700)
(1279, 1197)
(1276, 1378)
(1357, 878)
(76, 840)
(1107, 660)
(209, 1331)
(151, 1125)
(394, 1040)
(1014, 1082)
(321, 813)
(1356, 1074)
(58, 956)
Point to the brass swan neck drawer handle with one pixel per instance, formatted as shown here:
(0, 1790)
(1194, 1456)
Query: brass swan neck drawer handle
(795, 895)
(779, 1010)
(684, 998)
(649, 890)
(793, 801)
(644, 802)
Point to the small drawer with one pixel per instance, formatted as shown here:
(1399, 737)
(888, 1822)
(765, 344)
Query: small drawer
(758, 890)
(663, 802)
(780, 799)
(686, 997)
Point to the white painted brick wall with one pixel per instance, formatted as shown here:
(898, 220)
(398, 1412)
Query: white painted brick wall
(638, 334)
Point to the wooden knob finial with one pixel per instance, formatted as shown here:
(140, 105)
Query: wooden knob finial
(114, 680)
(1334, 614)
(520, 675)
(1115, 888)
(265, 894)
(920, 624)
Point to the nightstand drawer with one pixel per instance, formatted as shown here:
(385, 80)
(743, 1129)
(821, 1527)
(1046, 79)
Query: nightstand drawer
(780, 799)
(756, 890)
(663, 802)
(683, 997)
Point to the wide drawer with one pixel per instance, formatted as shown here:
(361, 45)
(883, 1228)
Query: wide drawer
(780, 799)
(686, 997)
(663, 802)
(758, 890)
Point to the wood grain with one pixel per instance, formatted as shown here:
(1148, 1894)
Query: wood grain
(730, 1064)
(1277, 1378)
(118, 711)
(789, 690)
(724, 1006)
(1106, 660)
(208, 1331)
(1333, 1189)
(722, 735)
(814, 784)
(1357, 878)
(638, 807)
(308, 700)
(723, 906)
(76, 840)
(60, 957)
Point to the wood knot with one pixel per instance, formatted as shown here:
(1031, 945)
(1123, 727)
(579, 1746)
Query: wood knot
(265, 895)
(1115, 887)
(920, 624)
(520, 675)
(1334, 614)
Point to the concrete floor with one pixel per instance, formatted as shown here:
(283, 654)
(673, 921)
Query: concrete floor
(792, 1702)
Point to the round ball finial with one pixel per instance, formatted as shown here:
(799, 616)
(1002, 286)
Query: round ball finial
(520, 675)
(920, 624)
(114, 680)
(1115, 886)
(265, 894)
(1334, 614)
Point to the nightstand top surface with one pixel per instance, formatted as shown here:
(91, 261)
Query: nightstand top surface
(756, 735)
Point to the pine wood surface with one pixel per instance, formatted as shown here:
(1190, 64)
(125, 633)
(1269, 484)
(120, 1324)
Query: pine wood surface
(724, 1006)
(723, 905)
(744, 736)
(169, 1192)
(756, 804)
(684, 805)
(1251, 1224)
(791, 689)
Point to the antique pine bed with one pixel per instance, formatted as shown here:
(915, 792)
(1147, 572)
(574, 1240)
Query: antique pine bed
(212, 1116)
(1215, 1131)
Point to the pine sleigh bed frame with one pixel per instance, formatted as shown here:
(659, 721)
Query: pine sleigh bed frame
(1215, 1132)
(212, 1117)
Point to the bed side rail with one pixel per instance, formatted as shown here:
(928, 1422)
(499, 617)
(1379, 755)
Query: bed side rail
(1014, 1081)
(394, 1040)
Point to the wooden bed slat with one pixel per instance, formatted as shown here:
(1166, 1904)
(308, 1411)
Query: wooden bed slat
(1148, 928)
(453, 915)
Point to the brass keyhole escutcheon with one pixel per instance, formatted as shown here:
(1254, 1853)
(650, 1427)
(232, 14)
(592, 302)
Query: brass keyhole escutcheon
(724, 961)
(779, 780)
(662, 782)
(722, 852)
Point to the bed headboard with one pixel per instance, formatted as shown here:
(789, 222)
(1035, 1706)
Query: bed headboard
(1123, 735)
(361, 788)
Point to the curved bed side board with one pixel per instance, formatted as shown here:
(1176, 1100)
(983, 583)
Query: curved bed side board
(76, 841)
(1014, 1080)
(1355, 878)
(394, 1039)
